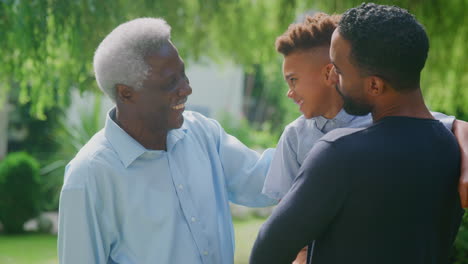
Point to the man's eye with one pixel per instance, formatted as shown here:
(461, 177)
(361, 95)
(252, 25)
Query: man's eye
(170, 85)
(293, 81)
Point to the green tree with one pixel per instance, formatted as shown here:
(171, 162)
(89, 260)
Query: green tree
(47, 46)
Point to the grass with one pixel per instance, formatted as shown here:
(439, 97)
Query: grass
(246, 232)
(28, 248)
(42, 249)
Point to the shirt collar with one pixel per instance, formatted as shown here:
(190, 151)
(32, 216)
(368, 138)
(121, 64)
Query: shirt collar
(175, 135)
(341, 117)
(344, 117)
(320, 122)
(127, 148)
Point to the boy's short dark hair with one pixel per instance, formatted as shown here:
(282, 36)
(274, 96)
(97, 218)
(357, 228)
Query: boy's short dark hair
(315, 31)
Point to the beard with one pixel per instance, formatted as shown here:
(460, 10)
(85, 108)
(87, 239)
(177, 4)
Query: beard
(352, 106)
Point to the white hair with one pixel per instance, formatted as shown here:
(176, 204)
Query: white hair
(119, 59)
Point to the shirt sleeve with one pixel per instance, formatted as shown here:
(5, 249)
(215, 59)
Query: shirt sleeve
(302, 216)
(284, 166)
(444, 119)
(80, 236)
(244, 170)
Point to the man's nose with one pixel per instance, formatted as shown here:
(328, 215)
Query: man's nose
(185, 90)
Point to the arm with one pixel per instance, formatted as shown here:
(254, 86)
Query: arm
(316, 197)
(301, 257)
(460, 129)
(244, 169)
(283, 170)
(284, 166)
(80, 239)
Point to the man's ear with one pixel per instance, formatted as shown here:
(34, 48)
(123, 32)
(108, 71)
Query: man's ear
(125, 93)
(375, 86)
(327, 74)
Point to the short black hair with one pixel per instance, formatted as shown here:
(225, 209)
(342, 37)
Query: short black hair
(386, 41)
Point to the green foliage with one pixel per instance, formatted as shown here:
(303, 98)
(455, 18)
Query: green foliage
(20, 191)
(30, 134)
(71, 137)
(460, 254)
(267, 104)
(48, 45)
(253, 138)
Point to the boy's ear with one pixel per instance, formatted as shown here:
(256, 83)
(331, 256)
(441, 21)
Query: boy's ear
(327, 73)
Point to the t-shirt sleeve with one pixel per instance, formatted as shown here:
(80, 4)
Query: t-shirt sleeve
(284, 166)
(307, 210)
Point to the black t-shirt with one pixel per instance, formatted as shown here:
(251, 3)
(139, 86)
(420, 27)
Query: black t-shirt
(385, 194)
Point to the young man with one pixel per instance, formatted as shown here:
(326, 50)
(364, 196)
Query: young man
(306, 68)
(386, 194)
(305, 47)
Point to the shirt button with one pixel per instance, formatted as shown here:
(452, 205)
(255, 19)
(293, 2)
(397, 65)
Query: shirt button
(205, 253)
(181, 187)
(194, 219)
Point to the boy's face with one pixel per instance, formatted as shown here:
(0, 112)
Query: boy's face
(306, 73)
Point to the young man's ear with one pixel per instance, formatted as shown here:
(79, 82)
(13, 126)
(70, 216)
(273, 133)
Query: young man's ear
(375, 86)
(124, 93)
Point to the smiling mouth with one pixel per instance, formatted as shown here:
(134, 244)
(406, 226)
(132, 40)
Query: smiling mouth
(299, 102)
(179, 106)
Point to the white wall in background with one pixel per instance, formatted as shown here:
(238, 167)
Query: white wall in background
(216, 89)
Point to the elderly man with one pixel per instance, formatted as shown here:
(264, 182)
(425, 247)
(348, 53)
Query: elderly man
(386, 193)
(154, 185)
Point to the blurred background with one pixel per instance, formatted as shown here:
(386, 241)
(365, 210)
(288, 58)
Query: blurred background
(50, 104)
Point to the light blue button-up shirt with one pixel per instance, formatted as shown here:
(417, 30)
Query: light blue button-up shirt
(122, 203)
(299, 137)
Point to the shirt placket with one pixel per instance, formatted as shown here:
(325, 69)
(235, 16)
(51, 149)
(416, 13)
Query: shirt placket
(193, 218)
